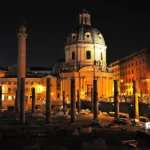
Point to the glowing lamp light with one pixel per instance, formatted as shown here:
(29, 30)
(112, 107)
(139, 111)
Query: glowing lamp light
(41, 88)
(52, 93)
(82, 92)
(147, 125)
(121, 80)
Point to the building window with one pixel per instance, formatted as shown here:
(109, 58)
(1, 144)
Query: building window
(88, 54)
(73, 36)
(2, 82)
(15, 82)
(73, 55)
(9, 83)
(26, 83)
(9, 89)
(58, 95)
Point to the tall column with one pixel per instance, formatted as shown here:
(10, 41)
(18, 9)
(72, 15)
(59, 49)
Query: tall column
(79, 94)
(136, 103)
(0, 99)
(64, 103)
(21, 65)
(116, 98)
(62, 89)
(33, 100)
(78, 100)
(73, 104)
(95, 100)
(91, 100)
(16, 98)
(48, 101)
(22, 101)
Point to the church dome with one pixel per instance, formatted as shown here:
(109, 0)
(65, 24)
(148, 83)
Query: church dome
(84, 32)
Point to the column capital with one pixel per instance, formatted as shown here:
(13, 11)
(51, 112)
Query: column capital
(63, 78)
(96, 77)
(82, 77)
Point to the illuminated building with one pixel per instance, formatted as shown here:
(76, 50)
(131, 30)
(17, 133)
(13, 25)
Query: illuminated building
(85, 59)
(9, 86)
(135, 66)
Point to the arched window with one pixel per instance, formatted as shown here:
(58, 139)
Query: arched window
(73, 55)
(88, 54)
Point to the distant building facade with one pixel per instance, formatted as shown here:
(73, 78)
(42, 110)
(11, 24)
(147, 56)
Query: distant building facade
(9, 87)
(134, 66)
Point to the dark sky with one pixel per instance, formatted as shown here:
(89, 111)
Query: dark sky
(125, 27)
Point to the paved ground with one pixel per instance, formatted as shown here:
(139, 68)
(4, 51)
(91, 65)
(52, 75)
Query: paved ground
(60, 132)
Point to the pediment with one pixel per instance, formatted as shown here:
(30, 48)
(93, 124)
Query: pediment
(49, 76)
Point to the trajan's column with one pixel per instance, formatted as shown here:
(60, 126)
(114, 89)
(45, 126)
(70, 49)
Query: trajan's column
(21, 72)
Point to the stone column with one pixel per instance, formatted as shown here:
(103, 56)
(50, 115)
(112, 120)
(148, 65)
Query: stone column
(0, 99)
(22, 101)
(64, 103)
(33, 100)
(73, 104)
(16, 110)
(116, 99)
(91, 100)
(78, 100)
(136, 103)
(21, 64)
(48, 101)
(95, 117)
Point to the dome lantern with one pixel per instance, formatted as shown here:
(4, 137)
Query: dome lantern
(85, 18)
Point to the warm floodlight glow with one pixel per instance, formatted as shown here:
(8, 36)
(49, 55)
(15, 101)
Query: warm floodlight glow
(52, 93)
(40, 88)
(82, 92)
(121, 80)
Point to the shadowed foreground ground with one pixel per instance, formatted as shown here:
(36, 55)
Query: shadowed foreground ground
(59, 135)
(50, 140)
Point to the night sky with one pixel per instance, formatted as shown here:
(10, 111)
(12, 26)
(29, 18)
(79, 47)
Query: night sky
(125, 27)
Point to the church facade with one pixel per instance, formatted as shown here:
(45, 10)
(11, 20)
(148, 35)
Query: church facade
(85, 60)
